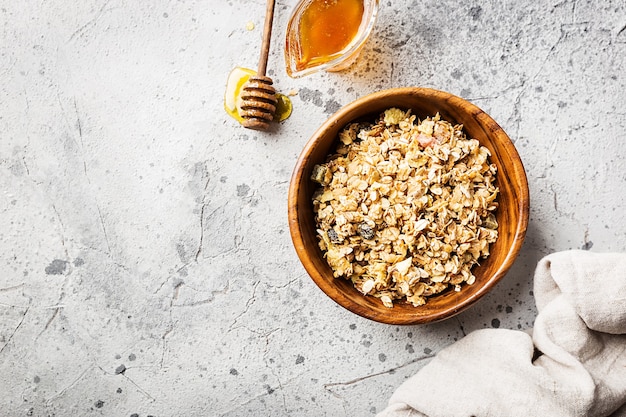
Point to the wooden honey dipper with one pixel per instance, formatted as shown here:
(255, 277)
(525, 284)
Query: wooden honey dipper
(258, 96)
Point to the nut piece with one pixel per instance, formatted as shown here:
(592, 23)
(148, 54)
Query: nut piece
(406, 207)
(321, 174)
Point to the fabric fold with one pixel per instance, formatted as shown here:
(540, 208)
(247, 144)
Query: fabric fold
(574, 364)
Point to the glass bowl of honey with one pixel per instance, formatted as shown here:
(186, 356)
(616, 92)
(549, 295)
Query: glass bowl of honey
(327, 34)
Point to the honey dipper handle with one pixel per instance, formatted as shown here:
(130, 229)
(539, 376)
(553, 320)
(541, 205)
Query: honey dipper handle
(267, 35)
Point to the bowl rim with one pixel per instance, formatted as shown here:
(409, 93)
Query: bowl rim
(520, 230)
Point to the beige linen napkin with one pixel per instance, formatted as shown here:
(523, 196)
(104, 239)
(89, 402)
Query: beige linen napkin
(574, 364)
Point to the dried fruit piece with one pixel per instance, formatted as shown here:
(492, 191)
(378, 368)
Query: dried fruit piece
(333, 236)
(366, 231)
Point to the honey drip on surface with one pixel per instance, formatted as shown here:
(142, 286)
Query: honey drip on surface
(232, 96)
(325, 28)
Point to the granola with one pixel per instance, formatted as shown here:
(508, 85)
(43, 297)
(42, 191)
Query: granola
(406, 207)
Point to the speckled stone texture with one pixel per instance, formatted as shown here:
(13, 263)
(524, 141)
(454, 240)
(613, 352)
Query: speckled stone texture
(147, 267)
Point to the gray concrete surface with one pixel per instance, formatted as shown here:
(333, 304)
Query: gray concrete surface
(146, 263)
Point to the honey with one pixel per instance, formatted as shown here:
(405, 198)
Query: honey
(232, 96)
(326, 33)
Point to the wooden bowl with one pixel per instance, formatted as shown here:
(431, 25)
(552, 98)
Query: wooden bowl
(512, 213)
